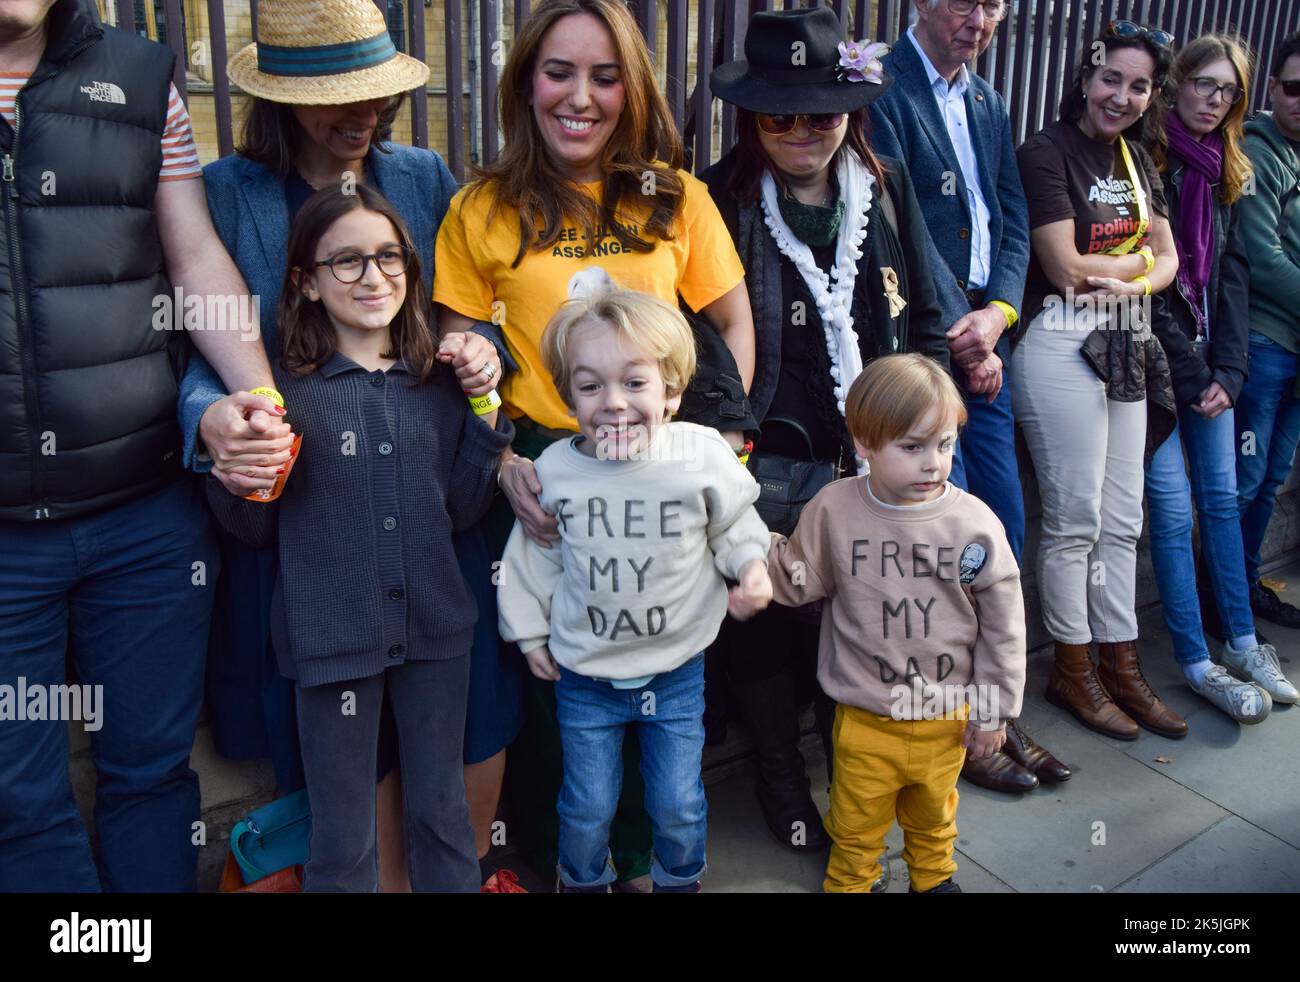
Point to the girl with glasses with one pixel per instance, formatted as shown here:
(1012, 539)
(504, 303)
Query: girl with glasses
(1202, 322)
(370, 605)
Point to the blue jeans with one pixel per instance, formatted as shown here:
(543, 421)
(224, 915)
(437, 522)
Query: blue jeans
(1268, 423)
(985, 461)
(131, 588)
(669, 715)
(1211, 459)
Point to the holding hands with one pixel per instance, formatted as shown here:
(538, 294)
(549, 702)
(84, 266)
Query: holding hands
(971, 341)
(248, 441)
(752, 593)
(474, 359)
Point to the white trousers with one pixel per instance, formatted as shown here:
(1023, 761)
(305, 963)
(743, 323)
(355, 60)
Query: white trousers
(1087, 452)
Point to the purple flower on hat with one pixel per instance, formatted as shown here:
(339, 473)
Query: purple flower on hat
(860, 61)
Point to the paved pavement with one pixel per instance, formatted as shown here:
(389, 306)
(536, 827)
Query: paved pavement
(1217, 811)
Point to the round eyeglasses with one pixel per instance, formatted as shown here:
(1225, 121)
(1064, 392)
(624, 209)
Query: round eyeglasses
(348, 267)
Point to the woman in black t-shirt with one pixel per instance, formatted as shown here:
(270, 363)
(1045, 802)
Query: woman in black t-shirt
(1100, 245)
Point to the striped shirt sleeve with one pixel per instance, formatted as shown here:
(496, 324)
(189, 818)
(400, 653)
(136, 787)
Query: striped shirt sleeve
(180, 156)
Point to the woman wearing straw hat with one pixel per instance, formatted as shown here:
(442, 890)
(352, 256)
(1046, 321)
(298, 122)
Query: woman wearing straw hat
(325, 84)
(803, 195)
(589, 176)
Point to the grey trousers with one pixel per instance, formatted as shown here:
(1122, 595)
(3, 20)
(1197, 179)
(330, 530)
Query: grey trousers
(1087, 452)
(338, 725)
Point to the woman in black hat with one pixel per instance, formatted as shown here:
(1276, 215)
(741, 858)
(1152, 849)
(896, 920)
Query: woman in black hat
(833, 243)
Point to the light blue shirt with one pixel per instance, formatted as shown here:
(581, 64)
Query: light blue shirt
(952, 107)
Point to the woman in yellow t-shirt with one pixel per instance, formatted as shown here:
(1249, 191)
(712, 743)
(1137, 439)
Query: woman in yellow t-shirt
(589, 176)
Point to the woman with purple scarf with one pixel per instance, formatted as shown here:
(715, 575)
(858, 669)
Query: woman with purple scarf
(1202, 323)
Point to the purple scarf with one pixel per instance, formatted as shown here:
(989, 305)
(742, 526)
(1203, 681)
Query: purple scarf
(1195, 225)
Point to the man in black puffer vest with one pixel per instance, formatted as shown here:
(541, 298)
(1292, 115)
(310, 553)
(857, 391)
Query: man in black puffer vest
(106, 549)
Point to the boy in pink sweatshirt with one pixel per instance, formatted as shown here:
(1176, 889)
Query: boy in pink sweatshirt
(923, 629)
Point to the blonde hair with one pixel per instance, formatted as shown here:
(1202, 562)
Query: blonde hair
(894, 393)
(1196, 55)
(647, 323)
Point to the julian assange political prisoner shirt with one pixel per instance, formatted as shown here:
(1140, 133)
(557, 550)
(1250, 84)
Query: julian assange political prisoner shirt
(916, 596)
(1067, 174)
(635, 586)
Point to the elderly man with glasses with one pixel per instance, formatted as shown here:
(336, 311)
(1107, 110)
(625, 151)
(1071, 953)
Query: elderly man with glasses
(952, 129)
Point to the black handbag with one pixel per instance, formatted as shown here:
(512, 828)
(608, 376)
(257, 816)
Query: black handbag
(785, 485)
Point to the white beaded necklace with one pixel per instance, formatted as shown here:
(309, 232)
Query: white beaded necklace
(834, 301)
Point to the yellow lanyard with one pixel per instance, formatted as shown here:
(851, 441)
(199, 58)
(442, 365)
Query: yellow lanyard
(1144, 215)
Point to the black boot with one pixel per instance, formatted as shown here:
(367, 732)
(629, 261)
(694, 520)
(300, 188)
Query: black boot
(769, 708)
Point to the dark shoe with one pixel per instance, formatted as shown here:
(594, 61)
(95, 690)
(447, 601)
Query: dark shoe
(769, 708)
(1268, 605)
(689, 888)
(1021, 748)
(998, 772)
(1074, 687)
(947, 886)
(562, 887)
(1121, 673)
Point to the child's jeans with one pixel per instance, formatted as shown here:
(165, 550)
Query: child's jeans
(886, 768)
(669, 714)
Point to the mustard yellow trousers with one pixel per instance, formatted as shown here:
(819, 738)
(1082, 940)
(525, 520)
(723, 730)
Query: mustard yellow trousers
(887, 769)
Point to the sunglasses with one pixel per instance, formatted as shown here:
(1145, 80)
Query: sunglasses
(1291, 87)
(783, 123)
(1128, 30)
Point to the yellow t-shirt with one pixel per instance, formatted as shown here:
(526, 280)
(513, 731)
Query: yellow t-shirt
(472, 273)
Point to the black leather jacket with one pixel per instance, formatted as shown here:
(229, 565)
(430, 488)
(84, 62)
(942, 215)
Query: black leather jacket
(1228, 291)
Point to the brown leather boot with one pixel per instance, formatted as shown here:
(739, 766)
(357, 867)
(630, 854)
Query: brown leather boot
(1121, 674)
(1021, 748)
(1074, 687)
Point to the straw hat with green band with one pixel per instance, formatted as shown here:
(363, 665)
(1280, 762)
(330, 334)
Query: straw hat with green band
(323, 53)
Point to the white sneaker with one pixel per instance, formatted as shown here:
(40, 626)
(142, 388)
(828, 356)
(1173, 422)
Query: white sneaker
(1243, 701)
(1260, 665)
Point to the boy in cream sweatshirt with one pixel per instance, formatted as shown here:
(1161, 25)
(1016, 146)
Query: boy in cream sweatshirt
(923, 629)
(652, 516)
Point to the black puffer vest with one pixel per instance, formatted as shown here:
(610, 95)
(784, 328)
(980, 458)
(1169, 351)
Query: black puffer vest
(87, 386)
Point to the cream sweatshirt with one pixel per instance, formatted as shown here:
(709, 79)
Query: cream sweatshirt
(635, 586)
(923, 604)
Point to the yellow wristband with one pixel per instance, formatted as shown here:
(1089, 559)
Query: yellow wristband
(482, 405)
(1146, 253)
(1008, 311)
(268, 392)
(1146, 285)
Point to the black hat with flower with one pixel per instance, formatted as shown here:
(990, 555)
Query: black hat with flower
(796, 62)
